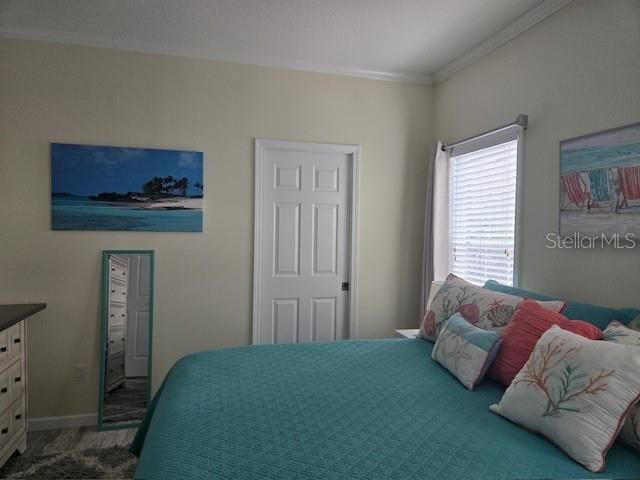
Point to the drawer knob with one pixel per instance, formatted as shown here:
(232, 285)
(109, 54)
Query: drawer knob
(113, 269)
(18, 416)
(17, 379)
(4, 431)
(122, 314)
(111, 315)
(122, 339)
(124, 293)
(113, 291)
(3, 349)
(110, 341)
(110, 371)
(3, 390)
(17, 340)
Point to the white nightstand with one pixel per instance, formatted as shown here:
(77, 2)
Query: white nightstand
(407, 333)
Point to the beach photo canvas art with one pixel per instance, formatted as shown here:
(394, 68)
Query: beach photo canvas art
(600, 183)
(120, 188)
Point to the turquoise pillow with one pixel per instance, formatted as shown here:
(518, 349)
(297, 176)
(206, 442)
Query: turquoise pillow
(595, 314)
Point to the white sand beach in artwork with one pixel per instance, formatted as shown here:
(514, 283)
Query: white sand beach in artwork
(591, 223)
(179, 203)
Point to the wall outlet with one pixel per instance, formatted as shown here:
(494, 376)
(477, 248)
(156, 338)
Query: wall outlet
(82, 372)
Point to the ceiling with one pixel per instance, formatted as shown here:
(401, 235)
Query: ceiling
(408, 40)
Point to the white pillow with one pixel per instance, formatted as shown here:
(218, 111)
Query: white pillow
(576, 392)
(616, 332)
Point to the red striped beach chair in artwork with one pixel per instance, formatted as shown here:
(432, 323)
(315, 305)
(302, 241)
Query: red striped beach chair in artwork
(630, 182)
(575, 188)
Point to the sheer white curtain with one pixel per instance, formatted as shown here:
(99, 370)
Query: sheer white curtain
(435, 257)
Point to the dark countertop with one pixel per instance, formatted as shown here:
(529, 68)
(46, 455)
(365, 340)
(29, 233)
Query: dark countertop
(12, 314)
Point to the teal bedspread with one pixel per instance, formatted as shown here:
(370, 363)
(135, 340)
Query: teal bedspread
(362, 409)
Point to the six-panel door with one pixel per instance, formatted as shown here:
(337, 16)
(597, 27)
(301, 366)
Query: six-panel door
(305, 246)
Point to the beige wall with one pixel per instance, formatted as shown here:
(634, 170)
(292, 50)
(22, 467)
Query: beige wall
(576, 72)
(203, 281)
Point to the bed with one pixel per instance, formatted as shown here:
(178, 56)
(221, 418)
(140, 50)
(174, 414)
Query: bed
(361, 409)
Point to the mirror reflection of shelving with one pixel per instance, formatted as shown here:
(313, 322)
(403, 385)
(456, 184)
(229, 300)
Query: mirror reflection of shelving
(128, 284)
(117, 321)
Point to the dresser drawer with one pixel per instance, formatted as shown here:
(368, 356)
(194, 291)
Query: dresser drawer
(115, 371)
(118, 271)
(16, 340)
(118, 291)
(5, 390)
(117, 314)
(5, 428)
(116, 339)
(17, 421)
(4, 347)
(16, 380)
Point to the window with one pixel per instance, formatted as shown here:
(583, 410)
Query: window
(482, 211)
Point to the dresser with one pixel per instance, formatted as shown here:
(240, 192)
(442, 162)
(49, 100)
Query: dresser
(13, 377)
(116, 321)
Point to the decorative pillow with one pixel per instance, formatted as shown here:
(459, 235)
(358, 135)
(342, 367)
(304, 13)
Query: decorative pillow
(519, 338)
(480, 307)
(576, 392)
(553, 305)
(618, 333)
(465, 350)
(599, 316)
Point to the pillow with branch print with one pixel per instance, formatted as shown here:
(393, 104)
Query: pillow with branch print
(576, 392)
(616, 332)
(466, 351)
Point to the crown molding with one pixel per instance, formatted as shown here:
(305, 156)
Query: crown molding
(511, 31)
(163, 48)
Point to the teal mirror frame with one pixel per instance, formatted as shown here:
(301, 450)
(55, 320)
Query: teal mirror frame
(103, 331)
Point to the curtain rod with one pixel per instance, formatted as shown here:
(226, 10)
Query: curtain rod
(520, 121)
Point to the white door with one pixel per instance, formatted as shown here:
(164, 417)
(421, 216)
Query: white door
(304, 234)
(137, 338)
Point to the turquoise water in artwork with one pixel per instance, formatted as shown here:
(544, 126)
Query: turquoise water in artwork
(80, 213)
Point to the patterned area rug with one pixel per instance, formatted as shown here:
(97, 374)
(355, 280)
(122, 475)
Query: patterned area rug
(127, 402)
(115, 462)
(74, 453)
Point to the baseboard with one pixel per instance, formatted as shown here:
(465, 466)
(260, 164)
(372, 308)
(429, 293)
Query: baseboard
(67, 421)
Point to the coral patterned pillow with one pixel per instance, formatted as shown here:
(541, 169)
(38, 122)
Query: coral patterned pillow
(519, 338)
(483, 308)
(465, 350)
(616, 332)
(576, 392)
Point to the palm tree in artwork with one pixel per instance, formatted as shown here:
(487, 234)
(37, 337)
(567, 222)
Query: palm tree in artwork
(169, 183)
(155, 186)
(182, 185)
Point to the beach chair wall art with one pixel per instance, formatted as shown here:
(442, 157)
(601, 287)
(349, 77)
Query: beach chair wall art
(600, 183)
(120, 188)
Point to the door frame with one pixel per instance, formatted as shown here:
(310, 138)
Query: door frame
(260, 144)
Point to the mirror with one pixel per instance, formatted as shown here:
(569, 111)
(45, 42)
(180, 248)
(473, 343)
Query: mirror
(127, 318)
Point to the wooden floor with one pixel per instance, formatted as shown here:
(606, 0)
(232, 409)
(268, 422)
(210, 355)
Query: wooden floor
(74, 453)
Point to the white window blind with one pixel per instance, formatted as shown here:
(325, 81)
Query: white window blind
(482, 213)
